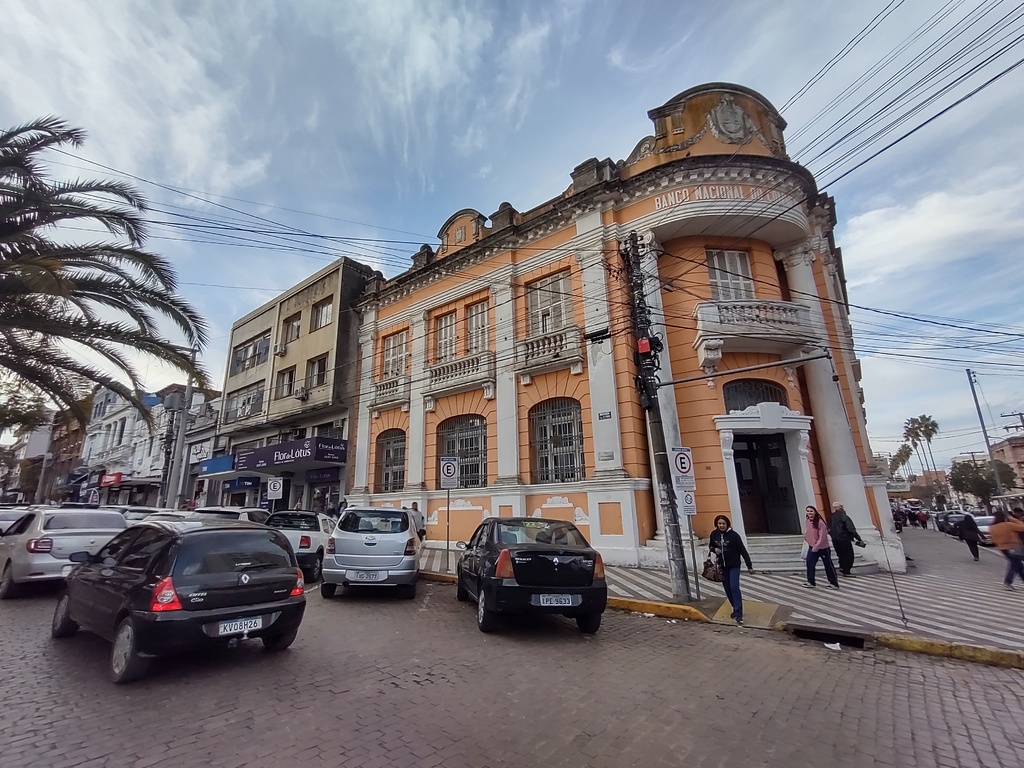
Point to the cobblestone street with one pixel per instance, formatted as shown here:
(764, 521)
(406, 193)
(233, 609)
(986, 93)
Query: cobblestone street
(375, 681)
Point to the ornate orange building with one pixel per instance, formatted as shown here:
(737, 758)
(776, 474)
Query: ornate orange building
(511, 347)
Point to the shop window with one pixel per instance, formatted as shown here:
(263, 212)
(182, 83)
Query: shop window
(321, 315)
(395, 347)
(250, 354)
(286, 382)
(730, 276)
(556, 441)
(477, 330)
(292, 328)
(316, 372)
(549, 303)
(743, 393)
(466, 438)
(390, 461)
(445, 331)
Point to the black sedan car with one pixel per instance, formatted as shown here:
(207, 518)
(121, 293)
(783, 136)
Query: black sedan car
(161, 587)
(532, 565)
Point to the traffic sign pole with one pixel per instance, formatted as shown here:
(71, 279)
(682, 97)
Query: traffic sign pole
(449, 479)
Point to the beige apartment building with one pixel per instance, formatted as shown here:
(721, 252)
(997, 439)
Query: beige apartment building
(289, 388)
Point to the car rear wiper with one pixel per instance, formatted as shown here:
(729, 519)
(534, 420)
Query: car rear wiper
(257, 566)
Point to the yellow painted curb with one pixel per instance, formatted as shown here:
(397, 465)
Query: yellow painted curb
(444, 578)
(668, 610)
(980, 654)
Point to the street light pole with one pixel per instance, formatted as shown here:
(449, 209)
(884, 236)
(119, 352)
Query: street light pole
(984, 432)
(174, 482)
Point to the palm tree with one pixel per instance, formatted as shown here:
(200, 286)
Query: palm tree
(59, 297)
(900, 458)
(912, 434)
(928, 428)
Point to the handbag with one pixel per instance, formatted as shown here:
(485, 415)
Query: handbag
(712, 570)
(804, 550)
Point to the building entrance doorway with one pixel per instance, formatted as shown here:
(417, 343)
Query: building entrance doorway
(767, 496)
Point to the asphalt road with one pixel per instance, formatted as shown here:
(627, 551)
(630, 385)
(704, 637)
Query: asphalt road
(375, 681)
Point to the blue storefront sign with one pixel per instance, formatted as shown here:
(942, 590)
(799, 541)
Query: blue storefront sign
(216, 464)
(325, 449)
(241, 484)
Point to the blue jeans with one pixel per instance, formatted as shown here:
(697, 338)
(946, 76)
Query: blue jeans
(731, 583)
(1014, 567)
(813, 556)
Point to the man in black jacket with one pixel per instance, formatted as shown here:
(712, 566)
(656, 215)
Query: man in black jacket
(727, 545)
(843, 533)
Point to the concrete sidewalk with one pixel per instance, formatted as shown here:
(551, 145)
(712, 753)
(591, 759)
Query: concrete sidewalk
(945, 595)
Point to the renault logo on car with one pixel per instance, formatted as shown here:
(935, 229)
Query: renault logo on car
(245, 578)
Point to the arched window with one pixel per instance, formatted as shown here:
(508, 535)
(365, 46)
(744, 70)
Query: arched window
(466, 438)
(390, 469)
(556, 441)
(743, 393)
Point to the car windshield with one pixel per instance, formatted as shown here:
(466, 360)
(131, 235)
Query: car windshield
(374, 521)
(540, 532)
(232, 550)
(69, 521)
(984, 520)
(293, 521)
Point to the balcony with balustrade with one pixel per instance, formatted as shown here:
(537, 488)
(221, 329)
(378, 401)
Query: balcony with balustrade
(550, 351)
(777, 327)
(392, 392)
(465, 373)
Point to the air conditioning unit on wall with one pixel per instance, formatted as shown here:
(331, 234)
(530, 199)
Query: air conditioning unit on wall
(280, 350)
(301, 393)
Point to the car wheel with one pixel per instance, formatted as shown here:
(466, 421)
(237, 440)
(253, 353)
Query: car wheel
(279, 642)
(589, 624)
(461, 593)
(328, 590)
(312, 575)
(408, 591)
(8, 588)
(125, 663)
(486, 619)
(62, 625)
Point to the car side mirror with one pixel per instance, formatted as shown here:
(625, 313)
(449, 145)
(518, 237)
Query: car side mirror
(460, 545)
(80, 557)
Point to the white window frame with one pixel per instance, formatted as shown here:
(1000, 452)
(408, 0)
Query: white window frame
(321, 315)
(395, 354)
(444, 331)
(730, 276)
(477, 328)
(292, 328)
(549, 303)
(286, 382)
(314, 377)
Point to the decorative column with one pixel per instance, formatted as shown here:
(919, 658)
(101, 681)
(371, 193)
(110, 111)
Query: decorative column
(732, 484)
(367, 346)
(416, 441)
(505, 392)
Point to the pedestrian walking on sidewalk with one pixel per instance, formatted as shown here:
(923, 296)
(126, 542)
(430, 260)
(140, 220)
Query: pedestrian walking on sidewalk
(816, 536)
(844, 533)
(728, 547)
(968, 531)
(1005, 533)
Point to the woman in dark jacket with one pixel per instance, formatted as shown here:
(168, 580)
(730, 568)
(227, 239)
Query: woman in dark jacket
(968, 531)
(728, 547)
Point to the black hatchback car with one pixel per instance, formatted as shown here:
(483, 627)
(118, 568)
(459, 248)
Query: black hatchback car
(163, 587)
(532, 565)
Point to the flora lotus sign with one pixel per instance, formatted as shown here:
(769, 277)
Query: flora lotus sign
(311, 449)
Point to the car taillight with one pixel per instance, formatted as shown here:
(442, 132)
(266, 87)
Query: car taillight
(300, 585)
(164, 597)
(410, 547)
(39, 545)
(330, 546)
(598, 566)
(303, 542)
(503, 568)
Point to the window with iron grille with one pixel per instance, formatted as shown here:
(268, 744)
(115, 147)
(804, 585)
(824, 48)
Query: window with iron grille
(466, 438)
(321, 315)
(477, 330)
(331, 429)
(556, 441)
(390, 470)
(548, 301)
(394, 354)
(743, 393)
(730, 276)
(445, 330)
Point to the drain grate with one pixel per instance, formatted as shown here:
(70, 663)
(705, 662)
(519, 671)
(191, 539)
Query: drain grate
(826, 634)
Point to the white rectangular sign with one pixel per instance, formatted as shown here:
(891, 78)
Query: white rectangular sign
(682, 469)
(275, 488)
(687, 501)
(449, 472)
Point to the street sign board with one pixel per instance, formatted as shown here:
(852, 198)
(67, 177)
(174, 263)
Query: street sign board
(688, 503)
(275, 488)
(449, 472)
(682, 469)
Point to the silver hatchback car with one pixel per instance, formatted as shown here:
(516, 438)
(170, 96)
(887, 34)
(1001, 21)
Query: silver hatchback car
(37, 546)
(374, 546)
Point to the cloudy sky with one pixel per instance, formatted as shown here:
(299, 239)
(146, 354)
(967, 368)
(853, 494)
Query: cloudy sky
(380, 119)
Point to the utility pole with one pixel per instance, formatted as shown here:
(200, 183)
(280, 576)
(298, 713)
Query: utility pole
(1010, 415)
(984, 432)
(648, 348)
(178, 458)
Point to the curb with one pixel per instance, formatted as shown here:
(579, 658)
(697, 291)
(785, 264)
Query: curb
(443, 578)
(980, 654)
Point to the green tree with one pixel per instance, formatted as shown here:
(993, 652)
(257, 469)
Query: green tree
(912, 434)
(979, 480)
(21, 407)
(900, 459)
(60, 296)
(927, 428)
